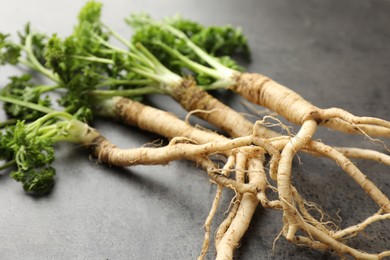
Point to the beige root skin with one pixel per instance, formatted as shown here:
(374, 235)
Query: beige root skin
(305, 214)
(297, 110)
(264, 91)
(338, 246)
(368, 186)
(159, 122)
(305, 241)
(109, 153)
(336, 154)
(355, 229)
(240, 178)
(223, 227)
(207, 225)
(134, 112)
(277, 204)
(346, 127)
(240, 223)
(369, 125)
(193, 98)
(234, 227)
(241, 160)
(350, 152)
(364, 154)
(230, 241)
(291, 222)
(137, 114)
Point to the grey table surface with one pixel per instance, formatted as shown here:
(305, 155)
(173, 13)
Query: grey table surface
(334, 53)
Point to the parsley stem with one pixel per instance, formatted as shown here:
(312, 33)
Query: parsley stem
(26, 104)
(127, 92)
(93, 59)
(33, 61)
(127, 82)
(7, 165)
(7, 122)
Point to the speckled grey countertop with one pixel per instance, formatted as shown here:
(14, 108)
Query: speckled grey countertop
(334, 53)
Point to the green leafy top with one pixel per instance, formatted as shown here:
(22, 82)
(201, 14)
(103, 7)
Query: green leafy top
(208, 69)
(73, 60)
(90, 12)
(9, 51)
(53, 57)
(5, 137)
(31, 146)
(29, 150)
(29, 51)
(33, 42)
(87, 65)
(85, 61)
(76, 76)
(216, 40)
(32, 156)
(150, 35)
(224, 41)
(21, 87)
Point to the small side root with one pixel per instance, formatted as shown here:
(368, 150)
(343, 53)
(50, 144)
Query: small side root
(366, 154)
(355, 229)
(361, 179)
(344, 121)
(243, 217)
(206, 242)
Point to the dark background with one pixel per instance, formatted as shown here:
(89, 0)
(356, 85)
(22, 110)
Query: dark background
(334, 53)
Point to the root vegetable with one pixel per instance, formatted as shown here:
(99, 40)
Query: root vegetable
(26, 141)
(246, 209)
(260, 89)
(268, 93)
(128, 109)
(103, 64)
(206, 242)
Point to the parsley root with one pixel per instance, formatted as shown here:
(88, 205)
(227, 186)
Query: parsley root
(256, 88)
(180, 58)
